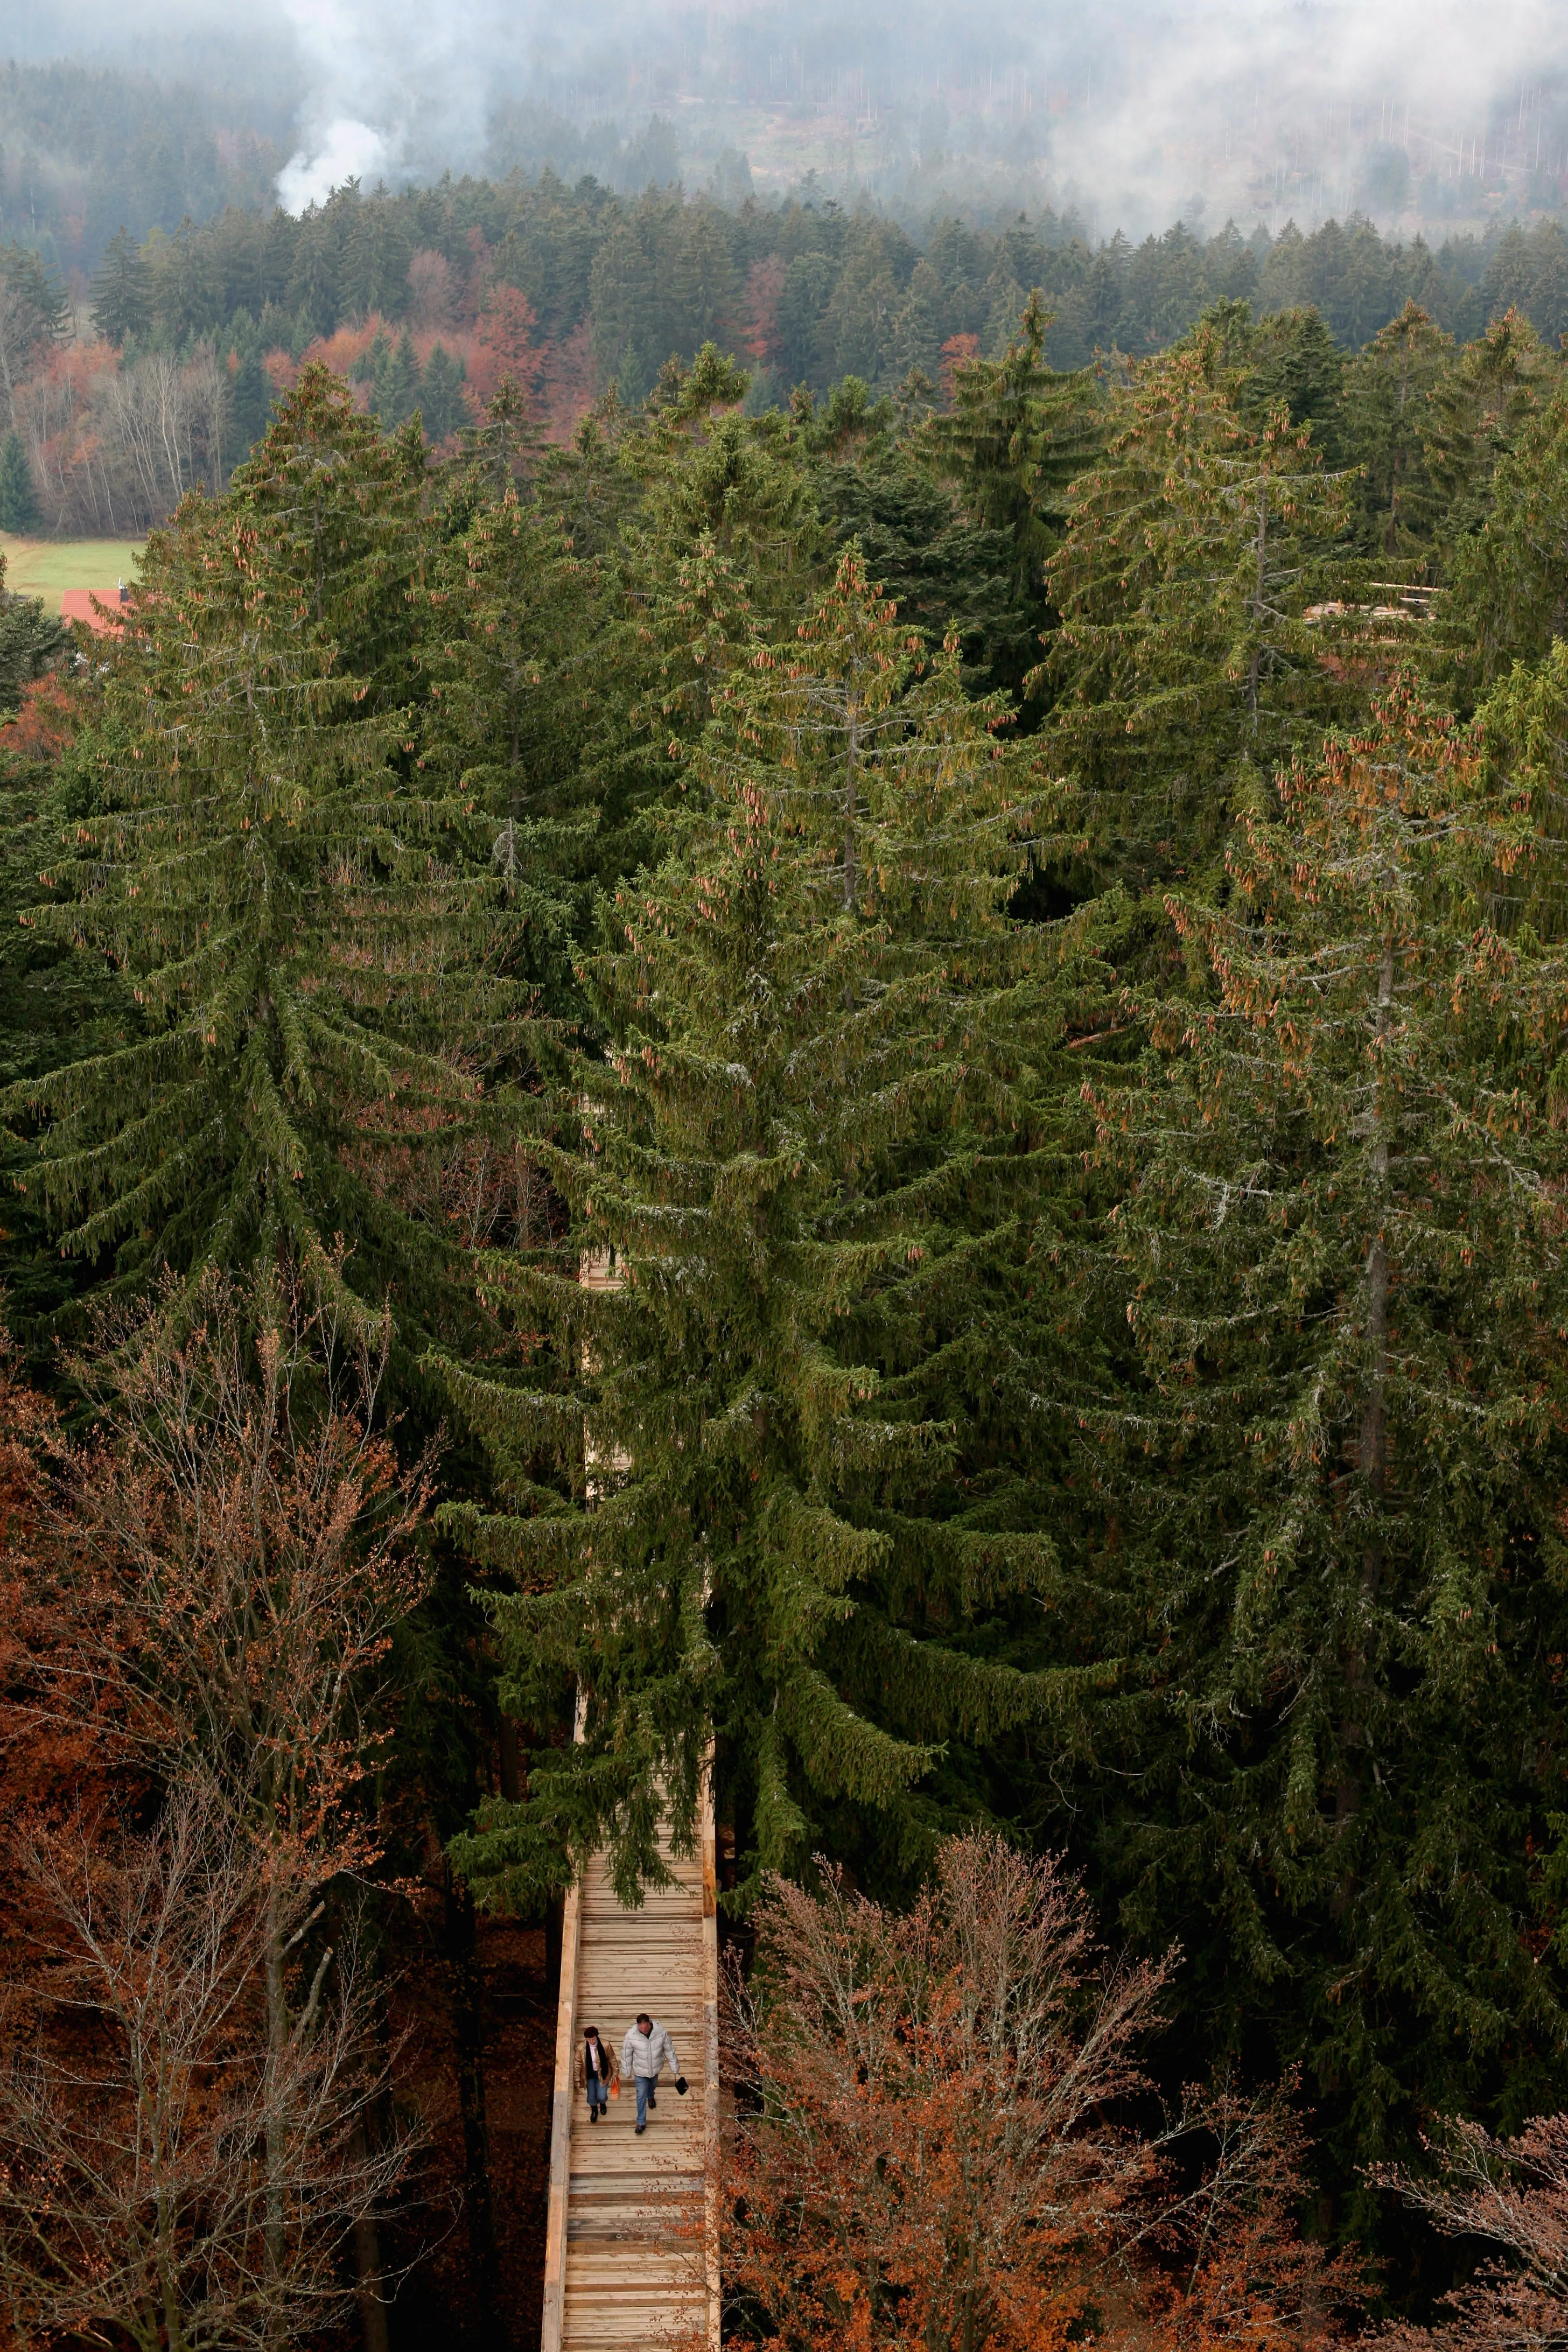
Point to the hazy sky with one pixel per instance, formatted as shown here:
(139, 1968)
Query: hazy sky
(381, 86)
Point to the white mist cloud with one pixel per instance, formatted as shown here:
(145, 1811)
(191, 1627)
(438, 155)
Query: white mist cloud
(1179, 93)
(1137, 103)
(396, 86)
(343, 150)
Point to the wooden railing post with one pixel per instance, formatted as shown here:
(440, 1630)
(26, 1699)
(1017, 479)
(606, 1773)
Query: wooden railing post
(710, 2143)
(561, 2115)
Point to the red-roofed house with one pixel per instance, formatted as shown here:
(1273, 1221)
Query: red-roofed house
(78, 604)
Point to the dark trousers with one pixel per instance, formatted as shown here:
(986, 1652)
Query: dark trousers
(598, 2093)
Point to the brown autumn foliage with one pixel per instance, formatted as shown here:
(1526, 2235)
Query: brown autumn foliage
(229, 1561)
(45, 722)
(1232, 2271)
(762, 341)
(927, 2158)
(30, 1444)
(172, 2175)
(932, 2150)
(196, 1612)
(504, 345)
(50, 1760)
(1512, 2194)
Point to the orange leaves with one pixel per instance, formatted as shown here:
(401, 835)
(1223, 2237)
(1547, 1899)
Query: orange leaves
(929, 2161)
(504, 345)
(46, 722)
(1234, 2270)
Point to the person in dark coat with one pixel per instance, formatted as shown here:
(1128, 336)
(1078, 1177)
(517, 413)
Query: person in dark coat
(596, 2070)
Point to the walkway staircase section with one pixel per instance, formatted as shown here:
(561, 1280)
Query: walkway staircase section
(631, 2250)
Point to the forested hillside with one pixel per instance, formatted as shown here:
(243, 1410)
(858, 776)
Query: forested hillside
(165, 372)
(85, 151)
(1007, 907)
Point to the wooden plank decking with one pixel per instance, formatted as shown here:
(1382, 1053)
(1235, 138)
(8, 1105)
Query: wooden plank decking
(631, 2255)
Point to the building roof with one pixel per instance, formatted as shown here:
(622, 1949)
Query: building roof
(79, 605)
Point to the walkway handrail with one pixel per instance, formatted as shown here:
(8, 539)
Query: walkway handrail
(599, 1271)
(710, 2053)
(561, 2111)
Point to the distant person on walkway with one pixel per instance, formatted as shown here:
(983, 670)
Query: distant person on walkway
(646, 2049)
(596, 2070)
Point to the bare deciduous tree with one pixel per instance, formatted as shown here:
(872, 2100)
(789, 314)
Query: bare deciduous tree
(1234, 2272)
(167, 2173)
(118, 446)
(236, 1558)
(226, 1584)
(928, 2158)
(1509, 2193)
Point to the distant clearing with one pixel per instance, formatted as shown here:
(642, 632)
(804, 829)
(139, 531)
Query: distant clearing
(48, 567)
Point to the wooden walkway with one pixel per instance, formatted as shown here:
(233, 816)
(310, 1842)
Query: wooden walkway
(631, 2251)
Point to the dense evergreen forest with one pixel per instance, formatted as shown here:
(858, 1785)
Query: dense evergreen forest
(162, 369)
(1007, 907)
(808, 291)
(823, 290)
(85, 151)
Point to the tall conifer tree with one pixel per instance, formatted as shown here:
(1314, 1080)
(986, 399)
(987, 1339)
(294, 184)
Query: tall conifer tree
(1185, 665)
(303, 921)
(1509, 599)
(1342, 1246)
(1388, 393)
(1017, 435)
(795, 1486)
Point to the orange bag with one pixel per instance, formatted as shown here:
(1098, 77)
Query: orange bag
(615, 2088)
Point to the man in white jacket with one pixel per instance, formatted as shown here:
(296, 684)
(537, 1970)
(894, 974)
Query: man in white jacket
(646, 2049)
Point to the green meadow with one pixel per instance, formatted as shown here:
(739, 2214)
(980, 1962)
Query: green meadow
(48, 567)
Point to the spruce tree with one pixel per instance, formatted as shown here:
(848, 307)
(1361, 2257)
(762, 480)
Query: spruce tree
(304, 923)
(250, 399)
(705, 472)
(1475, 413)
(921, 535)
(31, 640)
(122, 291)
(1338, 1502)
(705, 525)
(396, 383)
(521, 661)
(55, 1006)
(34, 309)
(1509, 599)
(1017, 435)
(1187, 662)
(789, 1485)
(501, 452)
(19, 505)
(1387, 418)
(441, 394)
(1292, 359)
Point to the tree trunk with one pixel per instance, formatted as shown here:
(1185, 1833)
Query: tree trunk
(1254, 668)
(851, 794)
(368, 2271)
(1372, 1453)
(1374, 1449)
(468, 2026)
(277, 2046)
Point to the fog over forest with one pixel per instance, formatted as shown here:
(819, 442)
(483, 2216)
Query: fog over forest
(1421, 117)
